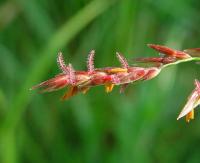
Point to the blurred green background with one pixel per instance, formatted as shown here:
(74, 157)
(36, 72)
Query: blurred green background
(137, 126)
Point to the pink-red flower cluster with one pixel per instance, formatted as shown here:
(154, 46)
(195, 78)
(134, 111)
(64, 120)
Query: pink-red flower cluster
(82, 81)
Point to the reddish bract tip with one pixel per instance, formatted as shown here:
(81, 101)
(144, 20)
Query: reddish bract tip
(168, 51)
(56, 83)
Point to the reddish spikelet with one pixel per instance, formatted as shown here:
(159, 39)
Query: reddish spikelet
(90, 61)
(61, 63)
(169, 51)
(56, 83)
(122, 60)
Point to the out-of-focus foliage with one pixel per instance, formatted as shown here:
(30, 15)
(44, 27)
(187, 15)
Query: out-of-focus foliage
(138, 126)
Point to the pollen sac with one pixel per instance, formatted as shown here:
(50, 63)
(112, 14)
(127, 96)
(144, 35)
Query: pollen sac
(189, 116)
(109, 87)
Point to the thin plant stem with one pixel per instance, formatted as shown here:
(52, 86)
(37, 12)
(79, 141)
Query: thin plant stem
(181, 61)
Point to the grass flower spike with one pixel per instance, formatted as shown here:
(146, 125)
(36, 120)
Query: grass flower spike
(82, 81)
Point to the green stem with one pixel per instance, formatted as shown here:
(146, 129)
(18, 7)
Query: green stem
(182, 61)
